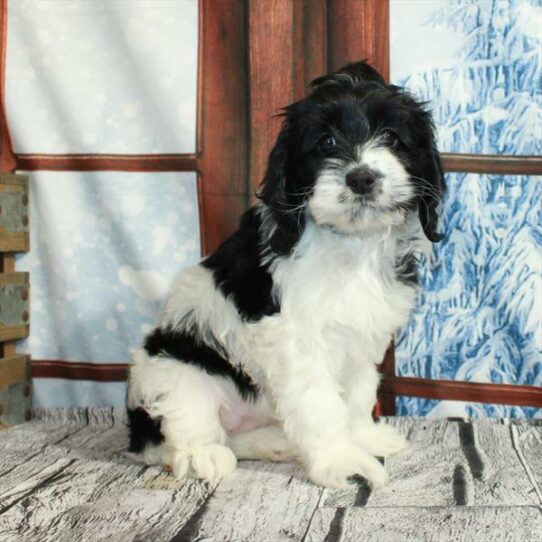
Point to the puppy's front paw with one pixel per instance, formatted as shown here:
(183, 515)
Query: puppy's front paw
(379, 439)
(341, 467)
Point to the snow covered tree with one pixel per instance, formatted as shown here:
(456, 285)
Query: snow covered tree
(480, 312)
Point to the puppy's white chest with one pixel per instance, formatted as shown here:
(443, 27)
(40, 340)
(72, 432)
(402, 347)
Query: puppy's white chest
(343, 282)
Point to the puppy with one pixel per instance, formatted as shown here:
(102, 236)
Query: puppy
(269, 347)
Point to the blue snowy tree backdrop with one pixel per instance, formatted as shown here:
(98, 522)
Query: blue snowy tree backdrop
(479, 317)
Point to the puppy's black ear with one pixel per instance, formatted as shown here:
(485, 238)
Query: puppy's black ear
(278, 190)
(431, 190)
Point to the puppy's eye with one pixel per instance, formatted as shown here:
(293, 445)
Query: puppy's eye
(328, 142)
(390, 139)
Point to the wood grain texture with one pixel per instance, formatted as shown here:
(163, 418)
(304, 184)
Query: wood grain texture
(271, 54)
(358, 30)
(310, 43)
(14, 213)
(527, 443)
(222, 118)
(492, 488)
(76, 370)
(107, 162)
(64, 476)
(387, 398)
(476, 392)
(261, 501)
(14, 370)
(496, 164)
(7, 159)
(431, 524)
(14, 306)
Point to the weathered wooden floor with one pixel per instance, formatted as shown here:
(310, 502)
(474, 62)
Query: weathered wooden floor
(63, 477)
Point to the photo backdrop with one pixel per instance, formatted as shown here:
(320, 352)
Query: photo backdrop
(103, 77)
(478, 64)
(120, 77)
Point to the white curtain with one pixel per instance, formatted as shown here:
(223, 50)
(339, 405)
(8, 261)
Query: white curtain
(102, 77)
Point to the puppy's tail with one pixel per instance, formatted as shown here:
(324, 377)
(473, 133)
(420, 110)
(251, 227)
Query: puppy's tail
(268, 443)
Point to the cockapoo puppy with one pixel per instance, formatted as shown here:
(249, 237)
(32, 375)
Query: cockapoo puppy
(269, 347)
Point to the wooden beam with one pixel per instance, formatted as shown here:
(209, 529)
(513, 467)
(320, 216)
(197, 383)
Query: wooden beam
(7, 158)
(358, 30)
(272, 75)
(309, 43)
(222, 118)
(386, 401)
(492, 164)
(107, 162)
(452, 390)
(75, 370)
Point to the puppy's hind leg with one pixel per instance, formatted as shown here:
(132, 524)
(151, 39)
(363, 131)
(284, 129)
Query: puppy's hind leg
(198, 439)
(268, 443)
(188, 409)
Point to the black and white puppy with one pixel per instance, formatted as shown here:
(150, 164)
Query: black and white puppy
(269, 347)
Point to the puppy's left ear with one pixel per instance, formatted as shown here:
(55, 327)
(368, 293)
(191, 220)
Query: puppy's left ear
(432, 188)
(278, 190)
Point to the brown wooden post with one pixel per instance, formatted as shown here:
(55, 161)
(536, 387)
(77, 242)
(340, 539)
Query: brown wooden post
(15, 387)
(359, 30)
(271, 57)
(222, 118)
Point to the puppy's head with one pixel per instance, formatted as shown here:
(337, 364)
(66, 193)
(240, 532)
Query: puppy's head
(356, 155)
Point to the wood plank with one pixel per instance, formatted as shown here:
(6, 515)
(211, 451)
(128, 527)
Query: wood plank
(423, 475)
(10, 333)
(502, 477)
(14, 306)
(527, 442)
(92, 491)
(78, 370)
(475, 392)
(19, 278)
(7, 159)
(222, 118)
(26, 451)
(112, 503)
(14, 215)
(260, 501)
(29, 439)
(387, 399)
(492, 163)
(271, 54)
(310, 43)
(107, 162)
(219, 217)
(14, 370)
(15, 181)
(82, 486)
(7, 263)
(359, 30)
(430, 524)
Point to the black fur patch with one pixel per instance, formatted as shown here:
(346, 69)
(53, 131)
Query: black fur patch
(143, 430)
(239, 273)
(186, 348)
(407, 270)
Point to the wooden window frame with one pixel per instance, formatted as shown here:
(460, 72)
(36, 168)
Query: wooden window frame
(254, 57)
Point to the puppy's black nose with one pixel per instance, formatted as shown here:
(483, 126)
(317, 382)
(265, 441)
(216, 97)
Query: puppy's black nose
(361, 181)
